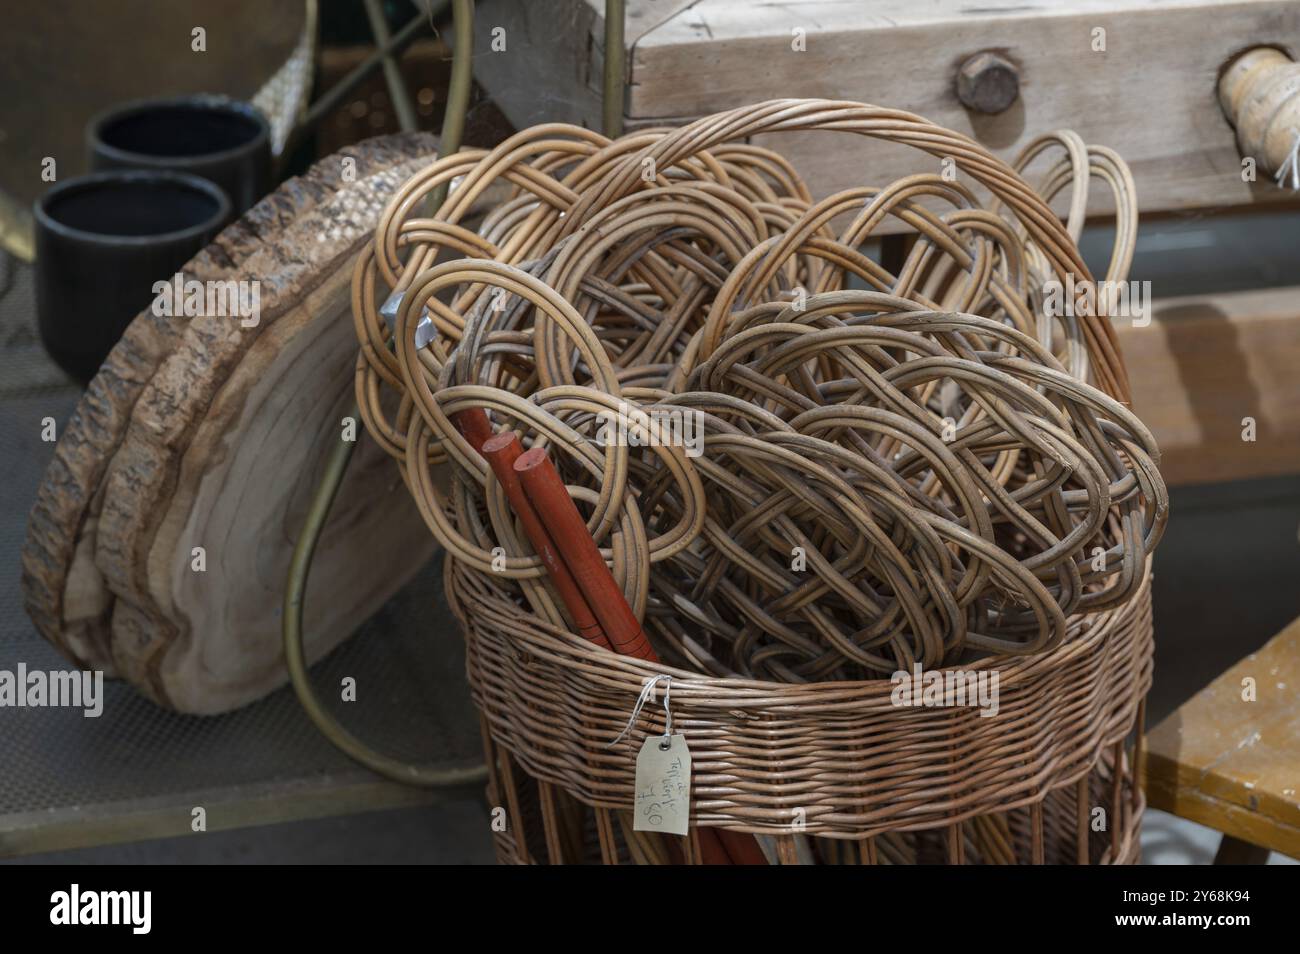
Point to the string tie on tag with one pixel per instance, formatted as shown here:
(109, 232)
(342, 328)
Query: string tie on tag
(647, 695)
(1291, 166)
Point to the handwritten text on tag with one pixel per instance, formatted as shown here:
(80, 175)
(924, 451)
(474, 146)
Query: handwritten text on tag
(663, 786)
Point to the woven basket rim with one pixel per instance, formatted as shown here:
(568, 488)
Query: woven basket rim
(763, 750)
(561, 645)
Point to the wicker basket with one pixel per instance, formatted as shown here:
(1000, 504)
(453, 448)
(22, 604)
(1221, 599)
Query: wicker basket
(833, 772)
(924, 435)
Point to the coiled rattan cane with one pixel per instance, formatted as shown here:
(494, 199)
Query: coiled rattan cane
(895, 468)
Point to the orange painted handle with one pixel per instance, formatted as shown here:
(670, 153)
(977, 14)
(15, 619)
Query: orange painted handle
(473, 425)
(501, 451)
(551, 500)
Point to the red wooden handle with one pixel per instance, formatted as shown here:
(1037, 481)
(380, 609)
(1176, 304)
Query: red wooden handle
(551, 501)
(568, 530)
(501, 451)
(473, 425)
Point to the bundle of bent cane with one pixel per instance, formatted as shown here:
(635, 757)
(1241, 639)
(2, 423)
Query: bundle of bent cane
(892, 469)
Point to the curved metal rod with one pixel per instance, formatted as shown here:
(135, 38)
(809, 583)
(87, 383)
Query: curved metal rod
(612, 93)
(295, 656)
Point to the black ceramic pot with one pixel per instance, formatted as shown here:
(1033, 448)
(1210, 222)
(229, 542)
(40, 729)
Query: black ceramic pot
(102, 241)
(223, 140)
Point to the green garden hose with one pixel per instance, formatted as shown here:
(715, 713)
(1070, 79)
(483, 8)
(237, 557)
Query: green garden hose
(453, 126)
(425, 776)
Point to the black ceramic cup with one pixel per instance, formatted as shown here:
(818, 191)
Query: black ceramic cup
(223, 140)
(102, 241)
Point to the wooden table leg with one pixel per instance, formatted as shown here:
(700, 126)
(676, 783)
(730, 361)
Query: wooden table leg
(1234, 851)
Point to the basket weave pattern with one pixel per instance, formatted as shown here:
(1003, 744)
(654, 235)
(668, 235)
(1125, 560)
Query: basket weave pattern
(951, 453)
(831, 759)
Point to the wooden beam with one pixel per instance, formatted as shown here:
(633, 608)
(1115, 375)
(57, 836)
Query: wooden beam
(551, 66)
(1150, 94)
(1203, 365)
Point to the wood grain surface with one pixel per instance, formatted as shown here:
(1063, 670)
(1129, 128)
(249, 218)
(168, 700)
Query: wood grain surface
(1150, 94)
(1233, 763)
(200, 432)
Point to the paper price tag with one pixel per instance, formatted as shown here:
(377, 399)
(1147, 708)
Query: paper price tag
(663, 786)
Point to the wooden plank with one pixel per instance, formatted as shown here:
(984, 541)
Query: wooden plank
(1233, 763)
(1150, 95)
(1205, 363)
(550, 68)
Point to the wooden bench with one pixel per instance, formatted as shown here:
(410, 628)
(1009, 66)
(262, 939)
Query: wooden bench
(1230, 757)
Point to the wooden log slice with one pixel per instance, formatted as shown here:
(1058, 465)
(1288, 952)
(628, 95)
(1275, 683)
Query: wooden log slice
(200, 432)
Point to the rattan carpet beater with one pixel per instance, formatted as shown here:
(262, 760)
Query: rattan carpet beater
(925, 440)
